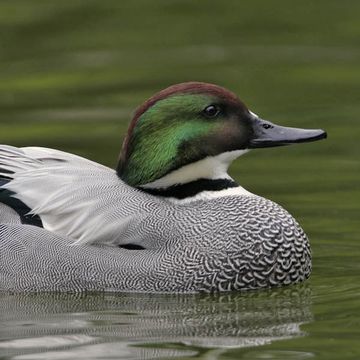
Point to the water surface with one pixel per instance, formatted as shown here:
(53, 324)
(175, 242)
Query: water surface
(71, 74)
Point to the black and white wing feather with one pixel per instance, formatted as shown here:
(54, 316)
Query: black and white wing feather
(72, 196)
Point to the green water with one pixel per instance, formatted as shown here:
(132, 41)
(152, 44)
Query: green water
(72, 72)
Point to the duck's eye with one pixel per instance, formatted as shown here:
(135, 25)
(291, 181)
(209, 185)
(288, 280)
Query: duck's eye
(212, 111)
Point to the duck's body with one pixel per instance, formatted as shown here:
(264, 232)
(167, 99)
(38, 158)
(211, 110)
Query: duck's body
(180, 224)
(222, 241)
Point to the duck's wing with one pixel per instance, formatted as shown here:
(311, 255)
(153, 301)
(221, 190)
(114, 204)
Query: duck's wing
(70, 195)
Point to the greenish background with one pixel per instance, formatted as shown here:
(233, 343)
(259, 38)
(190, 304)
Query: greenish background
(71, 74)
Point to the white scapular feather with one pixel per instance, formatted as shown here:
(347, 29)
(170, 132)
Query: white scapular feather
(73, 196)
(87, 201)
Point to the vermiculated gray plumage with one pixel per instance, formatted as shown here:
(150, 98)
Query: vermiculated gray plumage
(228, 243)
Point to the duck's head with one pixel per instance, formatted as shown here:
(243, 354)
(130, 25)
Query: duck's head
(195, 123)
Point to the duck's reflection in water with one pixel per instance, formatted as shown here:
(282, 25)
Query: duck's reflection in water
(142, 326)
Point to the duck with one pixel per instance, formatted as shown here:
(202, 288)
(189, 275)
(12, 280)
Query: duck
(168, 219)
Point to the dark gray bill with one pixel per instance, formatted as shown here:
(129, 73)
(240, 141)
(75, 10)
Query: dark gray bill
(267, 134)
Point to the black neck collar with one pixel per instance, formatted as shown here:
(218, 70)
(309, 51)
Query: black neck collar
(190, 189)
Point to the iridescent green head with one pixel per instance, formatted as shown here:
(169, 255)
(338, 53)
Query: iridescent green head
(181, 125)
(192, 121)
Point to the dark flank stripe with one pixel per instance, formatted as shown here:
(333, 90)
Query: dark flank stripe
(6, 197)
(5, 171)
(132, 247)
(182, 191)
(4, 179)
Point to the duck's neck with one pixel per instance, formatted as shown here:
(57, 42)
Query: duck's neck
(202, 179)
(192, 188)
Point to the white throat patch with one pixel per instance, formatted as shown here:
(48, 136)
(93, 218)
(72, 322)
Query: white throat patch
(212, 167)
(208, 195)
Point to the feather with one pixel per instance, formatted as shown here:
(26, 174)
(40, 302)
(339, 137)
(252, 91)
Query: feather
(72, 196)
